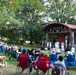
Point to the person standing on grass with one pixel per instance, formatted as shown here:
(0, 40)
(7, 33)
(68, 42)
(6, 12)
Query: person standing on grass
(50, 45)
(20, 49)
(62, 46)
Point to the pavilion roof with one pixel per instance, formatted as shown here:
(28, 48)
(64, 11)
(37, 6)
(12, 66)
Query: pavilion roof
(71, 26)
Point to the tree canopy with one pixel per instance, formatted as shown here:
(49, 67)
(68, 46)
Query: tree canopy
(26, 18)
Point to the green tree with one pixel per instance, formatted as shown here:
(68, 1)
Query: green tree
(61, 11)
(31, 19)
(20, 13)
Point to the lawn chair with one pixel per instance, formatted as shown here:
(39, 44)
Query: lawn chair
(53, 58)
(70, 60)
(13, 54)
(23, 62)
(42, 64)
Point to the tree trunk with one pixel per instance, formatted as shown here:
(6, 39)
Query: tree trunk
(31, 37)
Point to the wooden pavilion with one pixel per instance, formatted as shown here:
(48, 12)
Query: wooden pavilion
(63, 32)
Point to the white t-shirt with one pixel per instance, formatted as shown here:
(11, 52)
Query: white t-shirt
(62, 46)
(61, 62)
(47, 44)
(73, 50)
(57, 45)
(50, 45)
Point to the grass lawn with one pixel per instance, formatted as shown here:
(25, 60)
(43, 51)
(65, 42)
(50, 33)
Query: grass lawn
(71, 70)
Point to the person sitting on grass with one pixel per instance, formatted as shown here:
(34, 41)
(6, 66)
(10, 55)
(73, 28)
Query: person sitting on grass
(22, 61)
(2, 59)
(61, 61)
(42, 55)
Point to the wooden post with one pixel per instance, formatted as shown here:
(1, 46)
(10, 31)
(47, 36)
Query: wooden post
(72, 38)
(46, 38)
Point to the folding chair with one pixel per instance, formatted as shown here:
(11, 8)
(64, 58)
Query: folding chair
(53, 58)
(23, 62)
(13, 54)
(70, 60)
(42, 64)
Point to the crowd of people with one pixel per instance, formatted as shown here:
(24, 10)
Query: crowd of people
(42, 54)
(49, 65)
(32, 58)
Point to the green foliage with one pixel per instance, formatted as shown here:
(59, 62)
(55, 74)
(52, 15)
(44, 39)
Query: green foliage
(61, 10)
(10, 12)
